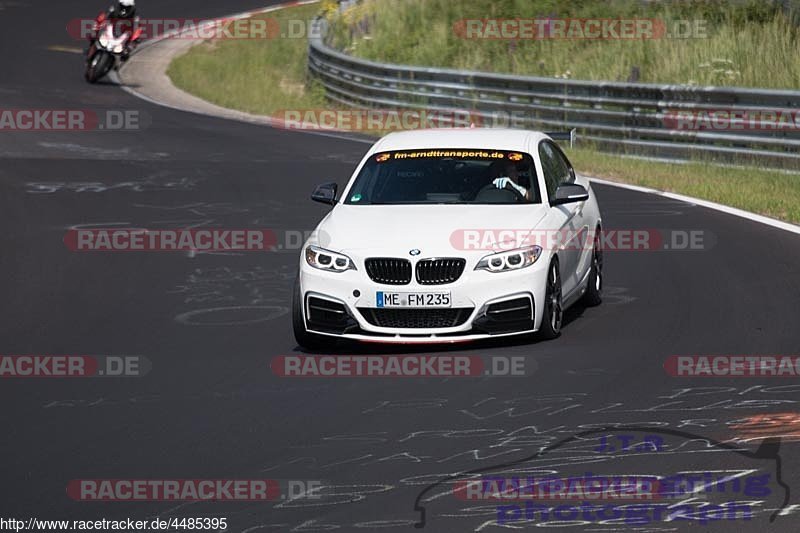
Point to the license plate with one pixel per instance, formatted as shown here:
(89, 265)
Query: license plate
(412, 299)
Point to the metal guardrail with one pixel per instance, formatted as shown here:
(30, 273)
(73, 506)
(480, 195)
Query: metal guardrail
(632, 118)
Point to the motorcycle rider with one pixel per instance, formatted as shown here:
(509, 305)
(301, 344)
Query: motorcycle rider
(122, 16)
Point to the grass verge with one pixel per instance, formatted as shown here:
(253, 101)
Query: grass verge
(266, 76)
(254, 75)
(748, 43)
(771, 193)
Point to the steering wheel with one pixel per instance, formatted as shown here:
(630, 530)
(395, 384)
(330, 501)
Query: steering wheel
(503, 195)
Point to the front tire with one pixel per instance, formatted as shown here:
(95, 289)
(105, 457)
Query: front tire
(553, 304)
(594, 287)
(98, 66)
(309, 341)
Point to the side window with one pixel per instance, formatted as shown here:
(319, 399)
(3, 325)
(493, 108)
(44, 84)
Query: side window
(564, 168)
(550, 167)
(557, 169)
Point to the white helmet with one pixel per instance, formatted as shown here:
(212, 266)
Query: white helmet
(126, 8)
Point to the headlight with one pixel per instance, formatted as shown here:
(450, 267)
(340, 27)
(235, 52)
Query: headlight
(510, 260)
(326, 260)
(119, 48)
(103, 41)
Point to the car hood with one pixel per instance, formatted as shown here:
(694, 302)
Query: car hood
(432, 229)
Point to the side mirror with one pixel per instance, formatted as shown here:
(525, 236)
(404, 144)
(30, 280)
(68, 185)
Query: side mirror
(567, 193)
(325, 193)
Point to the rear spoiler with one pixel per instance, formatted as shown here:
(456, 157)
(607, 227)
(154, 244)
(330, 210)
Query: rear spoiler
(563, 136)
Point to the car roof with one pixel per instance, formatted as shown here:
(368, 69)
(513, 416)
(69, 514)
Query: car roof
(477, 138)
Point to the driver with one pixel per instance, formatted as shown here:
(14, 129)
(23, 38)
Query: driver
(505, 174)
(123, 16)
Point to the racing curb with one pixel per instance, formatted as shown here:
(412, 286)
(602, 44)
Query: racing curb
(145, 76)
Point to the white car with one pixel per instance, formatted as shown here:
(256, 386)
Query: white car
(448, 236)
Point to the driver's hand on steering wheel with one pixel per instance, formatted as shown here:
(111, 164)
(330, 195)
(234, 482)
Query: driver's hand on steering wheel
(501, 183)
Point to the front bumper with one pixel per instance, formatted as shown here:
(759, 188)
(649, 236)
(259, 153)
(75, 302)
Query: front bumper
(484, 305)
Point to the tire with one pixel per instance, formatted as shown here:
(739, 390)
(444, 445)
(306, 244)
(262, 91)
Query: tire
(98, 66)
(309, 341)
(91, 75)
(553, 305)
(594, 286)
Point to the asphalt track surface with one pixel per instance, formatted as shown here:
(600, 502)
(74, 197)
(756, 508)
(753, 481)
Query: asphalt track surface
(210, 406)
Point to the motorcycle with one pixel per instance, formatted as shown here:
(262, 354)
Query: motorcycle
(105, 51)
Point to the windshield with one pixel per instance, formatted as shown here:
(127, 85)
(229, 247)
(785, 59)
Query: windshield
(446, 176)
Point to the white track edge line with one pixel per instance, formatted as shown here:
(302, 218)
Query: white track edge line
(741, 213)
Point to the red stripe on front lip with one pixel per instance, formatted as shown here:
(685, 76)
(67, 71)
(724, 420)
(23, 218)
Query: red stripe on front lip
(376, 341)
